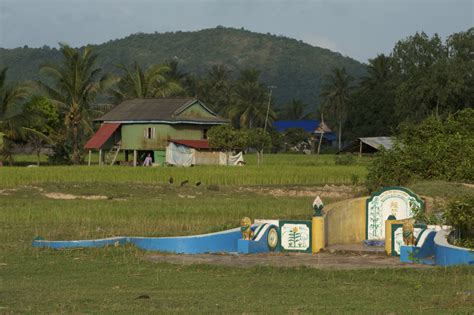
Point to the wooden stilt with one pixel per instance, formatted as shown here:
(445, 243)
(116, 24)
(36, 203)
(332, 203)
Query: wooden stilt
(134, 157)
(360, 148)
(90, 157)
(100, 156)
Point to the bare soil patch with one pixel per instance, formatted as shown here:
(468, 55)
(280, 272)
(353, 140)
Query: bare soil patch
(326, 191)
(55, 195)
(318, 261)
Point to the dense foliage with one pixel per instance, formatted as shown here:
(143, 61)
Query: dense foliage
(460, 215)
(422, 76)
(438, 148)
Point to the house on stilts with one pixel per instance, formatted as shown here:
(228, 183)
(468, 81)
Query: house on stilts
(149, 126)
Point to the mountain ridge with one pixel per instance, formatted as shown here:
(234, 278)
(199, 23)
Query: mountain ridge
(295, 67)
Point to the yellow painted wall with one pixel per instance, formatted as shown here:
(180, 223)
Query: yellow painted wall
(345, 221)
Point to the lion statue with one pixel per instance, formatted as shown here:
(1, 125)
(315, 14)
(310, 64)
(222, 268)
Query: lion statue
(408, 233)
(245, 228)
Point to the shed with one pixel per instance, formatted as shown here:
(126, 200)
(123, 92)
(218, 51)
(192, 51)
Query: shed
(369, 145)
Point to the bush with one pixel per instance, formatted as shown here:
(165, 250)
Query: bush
(436, 149)
(460, 215)
(345, 159)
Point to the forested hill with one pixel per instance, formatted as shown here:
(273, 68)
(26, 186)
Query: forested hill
(296, 68)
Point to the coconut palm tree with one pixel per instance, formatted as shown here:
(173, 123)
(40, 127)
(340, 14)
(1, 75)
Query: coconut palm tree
(216, 89)
(250, 101)
(378, 71)
(135, 82)
(13, 117)
(73, 88)
(335, 93)
(295, 110)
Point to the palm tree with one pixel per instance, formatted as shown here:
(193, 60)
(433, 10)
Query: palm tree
(139, 83)
(13, 117)
(378, 71)
(336, 94)
(250, 101)
(174, 74)
(75, 85)
(295, 110)
(216, 89)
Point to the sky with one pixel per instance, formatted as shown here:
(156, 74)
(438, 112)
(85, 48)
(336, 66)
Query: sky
(358, 29)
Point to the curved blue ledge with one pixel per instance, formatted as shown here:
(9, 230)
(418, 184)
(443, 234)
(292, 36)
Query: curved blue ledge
(219, 242)
(436, 250)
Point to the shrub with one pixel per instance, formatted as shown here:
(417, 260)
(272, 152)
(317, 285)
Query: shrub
(436, 149)
(460, 215)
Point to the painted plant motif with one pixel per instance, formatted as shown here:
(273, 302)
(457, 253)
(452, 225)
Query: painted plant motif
(375, 220)
(294, 238)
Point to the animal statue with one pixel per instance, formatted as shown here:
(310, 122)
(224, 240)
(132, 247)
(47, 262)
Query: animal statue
(245, 228)
(408, 233)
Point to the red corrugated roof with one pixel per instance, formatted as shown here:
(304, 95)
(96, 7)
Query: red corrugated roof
(197, 144)
(101, 136)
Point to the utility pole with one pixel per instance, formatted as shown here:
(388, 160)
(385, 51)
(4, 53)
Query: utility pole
(271, 87)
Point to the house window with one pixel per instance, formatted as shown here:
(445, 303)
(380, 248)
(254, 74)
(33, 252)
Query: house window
(149, 133)
(204, 134)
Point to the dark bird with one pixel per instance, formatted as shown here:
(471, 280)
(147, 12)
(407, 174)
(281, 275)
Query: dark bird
(143, 296)
(183, 183)
(171, 180)
(198, 183)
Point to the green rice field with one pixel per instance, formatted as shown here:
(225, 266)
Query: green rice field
(281, 169)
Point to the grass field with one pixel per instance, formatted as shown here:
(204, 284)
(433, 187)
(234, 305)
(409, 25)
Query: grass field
(136, 203)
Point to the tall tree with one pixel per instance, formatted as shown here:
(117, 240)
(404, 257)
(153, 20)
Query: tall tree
(136, 82)
(335, 93)
(216, 89)
(73, 88)
(436, 78)
(44, 119)
(174, 74)
(372, 105)
(295, 110)
(250, 101)
(13, 117)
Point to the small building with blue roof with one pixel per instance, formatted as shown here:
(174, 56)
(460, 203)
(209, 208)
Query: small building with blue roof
(312, 126)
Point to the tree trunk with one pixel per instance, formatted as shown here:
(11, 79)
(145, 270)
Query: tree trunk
(320, 140)
(75, 145)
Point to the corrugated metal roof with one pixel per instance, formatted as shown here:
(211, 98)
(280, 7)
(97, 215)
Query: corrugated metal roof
(101, 136)
(158, 109)
(197, 144)
(377, 142)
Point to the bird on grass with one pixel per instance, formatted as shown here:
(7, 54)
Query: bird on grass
(183, 183)
(171, 180)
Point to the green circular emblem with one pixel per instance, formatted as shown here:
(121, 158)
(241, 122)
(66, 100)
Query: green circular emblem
(272, 238)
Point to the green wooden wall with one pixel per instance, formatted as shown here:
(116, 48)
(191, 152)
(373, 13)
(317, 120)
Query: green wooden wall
(133, 137)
